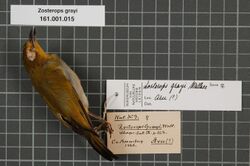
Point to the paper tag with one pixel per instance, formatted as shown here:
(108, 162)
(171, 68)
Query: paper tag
(145, 132)
(56, 15)
(174, 95)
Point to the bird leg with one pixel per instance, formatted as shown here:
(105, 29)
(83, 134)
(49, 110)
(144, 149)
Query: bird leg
(104, 126)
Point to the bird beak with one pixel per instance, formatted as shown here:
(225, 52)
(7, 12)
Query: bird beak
(32, 36)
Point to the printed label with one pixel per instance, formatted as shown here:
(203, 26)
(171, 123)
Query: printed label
(56, 15)
(174, 95)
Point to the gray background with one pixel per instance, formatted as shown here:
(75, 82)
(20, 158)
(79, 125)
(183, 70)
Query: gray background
(142, 39)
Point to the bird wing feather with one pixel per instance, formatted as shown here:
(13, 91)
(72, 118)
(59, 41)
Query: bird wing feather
(63, 70)
(76, 83)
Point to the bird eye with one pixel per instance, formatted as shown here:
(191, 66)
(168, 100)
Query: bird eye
(32, 49)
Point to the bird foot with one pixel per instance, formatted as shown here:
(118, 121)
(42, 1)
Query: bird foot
(105, 126)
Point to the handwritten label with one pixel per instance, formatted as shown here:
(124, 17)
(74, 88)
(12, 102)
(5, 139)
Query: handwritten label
(58, 15)
(174, 95)
(144, 132)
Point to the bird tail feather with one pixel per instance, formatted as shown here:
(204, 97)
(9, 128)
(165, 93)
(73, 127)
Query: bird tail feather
(100, 147)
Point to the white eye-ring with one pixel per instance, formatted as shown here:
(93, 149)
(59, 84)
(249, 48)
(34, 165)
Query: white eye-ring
(31, 55)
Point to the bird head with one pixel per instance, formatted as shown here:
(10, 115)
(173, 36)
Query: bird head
(32, 49)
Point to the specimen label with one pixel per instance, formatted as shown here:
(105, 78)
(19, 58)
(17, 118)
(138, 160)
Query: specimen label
(174, 95)
(58, 15)
(145, 132)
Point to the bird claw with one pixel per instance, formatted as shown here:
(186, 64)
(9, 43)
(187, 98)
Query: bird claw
(109, 128)
(106, 126)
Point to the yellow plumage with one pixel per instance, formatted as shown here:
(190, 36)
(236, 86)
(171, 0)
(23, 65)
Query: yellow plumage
(61, 89)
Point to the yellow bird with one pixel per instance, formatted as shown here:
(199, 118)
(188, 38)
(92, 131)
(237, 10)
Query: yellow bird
(61, 89)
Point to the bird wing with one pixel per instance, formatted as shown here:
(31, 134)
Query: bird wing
(76, 83)
(64, 71)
